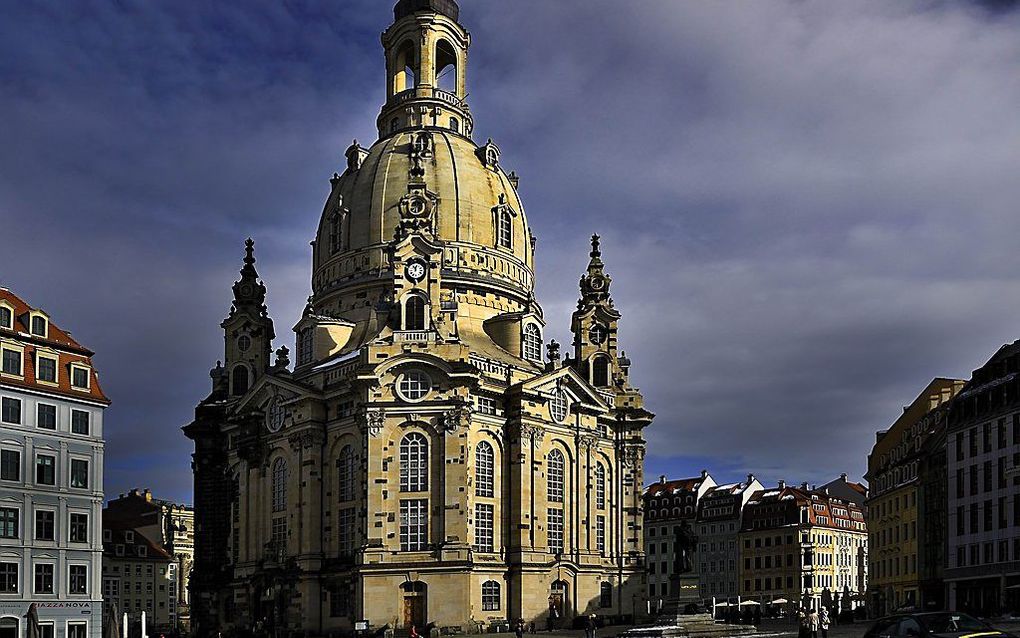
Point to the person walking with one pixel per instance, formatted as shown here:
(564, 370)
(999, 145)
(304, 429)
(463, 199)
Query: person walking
(823, 621)
(414, 632)
(519, 628)
(590, 627)
(813, 622)
(803, 624)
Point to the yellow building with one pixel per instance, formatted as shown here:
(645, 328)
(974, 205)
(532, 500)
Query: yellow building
(425, 460)
(803, 547)
(896, 533)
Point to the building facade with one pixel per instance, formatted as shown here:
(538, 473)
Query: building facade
(667, 506)
(718, 526)
(895, 527)
(801, 546)
(51, 476)
(983, 458)
(138, 576)
(170, 527)
(426, 459)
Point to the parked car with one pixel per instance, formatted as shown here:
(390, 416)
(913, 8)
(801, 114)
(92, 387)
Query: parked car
(935, 624)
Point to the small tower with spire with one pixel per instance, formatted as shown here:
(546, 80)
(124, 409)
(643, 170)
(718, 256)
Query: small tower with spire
(594, 324)
(248, 331)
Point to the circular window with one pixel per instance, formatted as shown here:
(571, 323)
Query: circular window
(558, 406)
(243, 343)
(597, 334)
(414, 385)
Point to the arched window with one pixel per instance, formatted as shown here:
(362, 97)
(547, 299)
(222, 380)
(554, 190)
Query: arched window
(532, 343)
(559, 406)
(414, 463)
(394, 125)
(505, 230)
(414, 313)
(600, 486)
(446, 67)
(554, 477)
(279, 485)
(239, 380)
(405, 65)
(484, 474)
(600, 372)
(455, 125)
(490, 596)
(605, 595)
(345, 474)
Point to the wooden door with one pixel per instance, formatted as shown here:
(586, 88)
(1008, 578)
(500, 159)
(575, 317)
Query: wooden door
(414, 612)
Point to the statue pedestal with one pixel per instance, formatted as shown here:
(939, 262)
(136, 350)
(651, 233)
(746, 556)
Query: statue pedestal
(672, 622)
(683, 592)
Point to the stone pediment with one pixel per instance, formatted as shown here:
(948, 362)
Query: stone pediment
(269, 387)
(567, 379)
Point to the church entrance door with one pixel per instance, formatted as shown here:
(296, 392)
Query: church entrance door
(415, 604)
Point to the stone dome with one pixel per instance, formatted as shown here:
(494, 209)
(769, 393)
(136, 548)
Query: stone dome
(363, 213)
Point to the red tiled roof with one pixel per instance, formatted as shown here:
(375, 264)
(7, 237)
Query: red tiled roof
(671, 487)
(69, 350)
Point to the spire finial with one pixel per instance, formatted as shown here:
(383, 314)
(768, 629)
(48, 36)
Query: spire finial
(595, 246)
(249, 251)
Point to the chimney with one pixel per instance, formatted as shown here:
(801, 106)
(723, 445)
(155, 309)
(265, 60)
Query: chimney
(843, 476)
(148, 495)
(662, 478)
(704, 473)
(782, 484)
(750, 479)
(803, 486)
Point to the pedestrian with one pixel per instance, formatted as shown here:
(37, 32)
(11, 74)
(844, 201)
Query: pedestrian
(589, 627)
(532, 627)
(823, 622)
(519, 628)
(813, 621)
(803, 624)
(414, 632)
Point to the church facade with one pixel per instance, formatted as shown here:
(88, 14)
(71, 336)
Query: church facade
(426, 458)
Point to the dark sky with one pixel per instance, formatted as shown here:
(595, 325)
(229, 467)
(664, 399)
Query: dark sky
(809, 209)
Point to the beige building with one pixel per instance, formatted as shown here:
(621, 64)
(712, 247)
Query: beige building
(895, 527)
(805, 547)
(138, 575)
(426, 459)
(168, 526)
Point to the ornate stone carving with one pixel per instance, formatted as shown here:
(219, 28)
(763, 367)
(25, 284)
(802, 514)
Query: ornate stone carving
(532, 432)
(587, 441)
(373, 421)
(632, 455)
(306, 439)
(417, 211)
(355, 156)
(455, 418)
(422, 147)
(489, 154)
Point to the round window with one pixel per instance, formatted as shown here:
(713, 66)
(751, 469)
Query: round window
(414, 385)
(243, 343)
(597, 334)
(558, 406)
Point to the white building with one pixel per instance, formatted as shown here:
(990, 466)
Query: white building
(717, 527)
(51, 477)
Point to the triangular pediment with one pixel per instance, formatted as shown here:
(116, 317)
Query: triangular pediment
(568, 380)
(270, 386)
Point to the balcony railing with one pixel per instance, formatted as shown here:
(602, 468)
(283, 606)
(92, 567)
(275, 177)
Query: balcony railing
(414, 336)
(438, 94)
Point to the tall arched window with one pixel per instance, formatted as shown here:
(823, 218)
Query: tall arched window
(446, 67)
(345, 474)
(279, 485)
(554, 477)
(532, 343)
(405, 66)
(239, 380)
(414, 313)
(484, 470)
(490, 596)
(414, 463)
(600, 372)
(335, 232)
(600, 486)
(504, 230)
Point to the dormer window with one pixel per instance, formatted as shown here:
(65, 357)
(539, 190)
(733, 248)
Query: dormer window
(46, 368)
(11, 362)
(531, 343)
(6, 318)
(79, 377)
(39, 325)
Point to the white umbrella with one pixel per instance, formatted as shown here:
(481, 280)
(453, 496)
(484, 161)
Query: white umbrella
(750, 602)
(723, 604)
(780, 601)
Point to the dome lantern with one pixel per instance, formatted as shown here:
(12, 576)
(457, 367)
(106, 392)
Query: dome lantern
(426, 59)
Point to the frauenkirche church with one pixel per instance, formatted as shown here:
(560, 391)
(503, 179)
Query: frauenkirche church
(425, 460)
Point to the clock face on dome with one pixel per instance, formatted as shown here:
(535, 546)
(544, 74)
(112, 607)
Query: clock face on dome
(415, 271)
(597, 283)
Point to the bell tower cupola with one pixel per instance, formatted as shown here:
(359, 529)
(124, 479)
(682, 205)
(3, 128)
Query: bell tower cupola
(594, 325)
(426, 63)
(248, 330)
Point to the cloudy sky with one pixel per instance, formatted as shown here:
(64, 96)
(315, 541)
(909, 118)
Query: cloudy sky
(810, 209)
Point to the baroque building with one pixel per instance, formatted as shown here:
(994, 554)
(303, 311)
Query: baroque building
(426, 459)
(51, 476)
(896, 526)
(803, 546)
